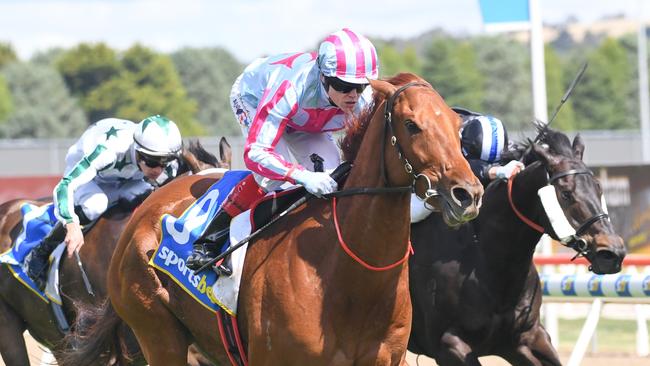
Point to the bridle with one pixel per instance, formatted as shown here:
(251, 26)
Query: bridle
(576, 241)
(388, 130)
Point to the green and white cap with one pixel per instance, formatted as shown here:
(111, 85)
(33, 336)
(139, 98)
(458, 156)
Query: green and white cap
(157, 136)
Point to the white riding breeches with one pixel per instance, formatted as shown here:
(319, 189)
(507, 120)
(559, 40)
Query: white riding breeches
(95, 198)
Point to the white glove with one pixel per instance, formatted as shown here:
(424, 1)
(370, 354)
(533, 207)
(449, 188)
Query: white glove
(316, 183)
(508, 170)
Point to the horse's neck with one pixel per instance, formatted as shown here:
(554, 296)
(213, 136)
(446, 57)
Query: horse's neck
(507, 242)
(376, 227)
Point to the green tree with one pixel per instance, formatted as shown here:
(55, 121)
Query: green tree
(87, 66)
(7, 54)
(48, 57)
(208, 74)
(556, 84)
(605, 100)
(6, 102)
(43, 107)
(392, 61)
(505, 64)
(451, 66)
(147, 84)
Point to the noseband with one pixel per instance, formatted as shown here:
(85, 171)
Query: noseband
(576, 241)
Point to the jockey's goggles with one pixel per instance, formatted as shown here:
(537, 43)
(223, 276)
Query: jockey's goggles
(155, 161)
(343, 86)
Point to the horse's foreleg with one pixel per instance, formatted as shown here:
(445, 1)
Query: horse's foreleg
(12, 343)
(454, 351)
(538, 351)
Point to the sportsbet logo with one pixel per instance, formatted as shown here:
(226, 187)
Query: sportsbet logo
(176, 264)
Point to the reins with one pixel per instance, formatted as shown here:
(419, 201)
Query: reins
(348, 251)
(521, 216)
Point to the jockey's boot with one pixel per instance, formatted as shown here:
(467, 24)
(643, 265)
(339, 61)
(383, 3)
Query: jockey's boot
(39, 262)
(208, 245)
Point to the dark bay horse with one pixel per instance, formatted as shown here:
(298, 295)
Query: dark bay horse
(475, 290)
(303, 299)
(21, 310)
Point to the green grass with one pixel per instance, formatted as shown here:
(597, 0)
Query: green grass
(612, 336)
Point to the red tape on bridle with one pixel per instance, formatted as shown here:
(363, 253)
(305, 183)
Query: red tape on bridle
(346, 249)
(519, 214)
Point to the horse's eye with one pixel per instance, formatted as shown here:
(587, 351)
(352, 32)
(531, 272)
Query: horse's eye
(566, 195)
(411, 127)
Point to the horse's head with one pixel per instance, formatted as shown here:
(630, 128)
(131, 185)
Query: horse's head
(424, 130)
(583, 222)
(196, 158)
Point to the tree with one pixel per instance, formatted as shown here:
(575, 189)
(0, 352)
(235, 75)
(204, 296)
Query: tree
(505, 64)
(87, 66)
(147, 84)
(606, 100)
(208, 74)
(392, 61)
(6, 102)
(450, 65)
(43, 107)
(7, 54)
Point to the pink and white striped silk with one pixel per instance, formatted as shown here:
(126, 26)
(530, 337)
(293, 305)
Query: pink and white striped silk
(348, 56)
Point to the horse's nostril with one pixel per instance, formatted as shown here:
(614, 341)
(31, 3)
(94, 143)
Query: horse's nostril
(461, 196)
(607, 261)
(606, 255)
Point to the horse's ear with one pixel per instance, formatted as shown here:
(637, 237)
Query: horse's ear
(544, 155)
(384, 88)
(578, 147)
(225, 153)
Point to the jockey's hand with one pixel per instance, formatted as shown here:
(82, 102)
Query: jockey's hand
(74, 238)
(510, 169)
(316, 183)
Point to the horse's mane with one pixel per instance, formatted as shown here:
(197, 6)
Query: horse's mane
(356, 128)
(558, 144)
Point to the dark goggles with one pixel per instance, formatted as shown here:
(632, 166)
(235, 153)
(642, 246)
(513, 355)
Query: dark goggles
(343, 86)
(155, 161)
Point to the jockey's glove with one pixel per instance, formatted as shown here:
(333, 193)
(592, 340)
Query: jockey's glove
(508, 170)
(316, 183)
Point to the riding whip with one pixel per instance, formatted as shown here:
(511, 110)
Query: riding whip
(567, 94)
(89, 288)
(341, 171)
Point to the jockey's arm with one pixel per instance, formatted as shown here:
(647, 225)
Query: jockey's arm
(83, 172)
(268, 126)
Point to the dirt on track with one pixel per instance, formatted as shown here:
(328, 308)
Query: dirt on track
(37, 356)
(589, 360)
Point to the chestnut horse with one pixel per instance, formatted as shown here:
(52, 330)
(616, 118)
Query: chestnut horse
(303, 299)
(21, 310)
(475, 291)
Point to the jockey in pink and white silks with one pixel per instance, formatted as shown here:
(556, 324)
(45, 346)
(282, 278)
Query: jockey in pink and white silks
(288, 105)
(113, 161)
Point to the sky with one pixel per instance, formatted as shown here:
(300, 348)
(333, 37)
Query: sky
(253, 28)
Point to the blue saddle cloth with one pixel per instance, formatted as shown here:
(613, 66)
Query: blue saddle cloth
(179, 233)
(37, 222)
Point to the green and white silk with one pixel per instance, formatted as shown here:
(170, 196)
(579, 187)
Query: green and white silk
(101, 168)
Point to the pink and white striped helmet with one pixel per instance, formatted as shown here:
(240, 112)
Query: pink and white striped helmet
(348, 56)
